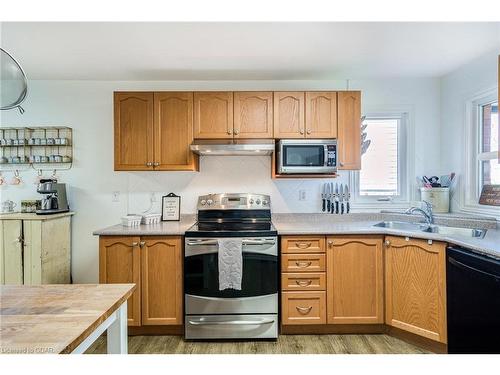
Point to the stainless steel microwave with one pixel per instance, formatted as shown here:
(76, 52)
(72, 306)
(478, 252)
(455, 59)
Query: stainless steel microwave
(303, 156)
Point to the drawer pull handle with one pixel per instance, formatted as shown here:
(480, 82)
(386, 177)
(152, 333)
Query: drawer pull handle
(303, 264)
(304, 310)
(303, 245)
(303, 282)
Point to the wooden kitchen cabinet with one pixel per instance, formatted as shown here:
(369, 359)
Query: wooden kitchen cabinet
(415, 281)
(289, 114)
(133, 118)
(302, 244)
(173, 132)
(213, 115)
(321, 114)
(253, 115)
(120, 262)
(355, 289)
(349, 130)
(162, 298)
(303, 308)
(154, 264)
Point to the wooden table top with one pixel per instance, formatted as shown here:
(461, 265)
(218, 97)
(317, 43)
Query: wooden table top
(55, 318)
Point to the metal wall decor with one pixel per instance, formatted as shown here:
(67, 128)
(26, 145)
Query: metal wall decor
(13, 83)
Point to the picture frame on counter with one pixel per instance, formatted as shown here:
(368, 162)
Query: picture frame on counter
(171, 207)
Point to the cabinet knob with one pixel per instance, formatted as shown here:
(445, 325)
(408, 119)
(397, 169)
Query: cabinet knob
(308, 131)
(387, 243)
(229, 132)
(341, 164)
(236, 132)
(134, 244)
(301, 131)
(141, 244)
(149, 164)
(155, 164)
(330, 243)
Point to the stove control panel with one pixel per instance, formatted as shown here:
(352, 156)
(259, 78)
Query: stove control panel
(234, 201)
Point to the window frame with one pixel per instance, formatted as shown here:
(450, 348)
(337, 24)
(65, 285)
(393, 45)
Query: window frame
(470, 189)
(405, 167)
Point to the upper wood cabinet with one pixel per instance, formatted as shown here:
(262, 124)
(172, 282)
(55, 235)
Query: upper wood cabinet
(289, 116)
(415, 279)
(162, 297)
(321, 115)
(133, 117)
(173, 131)
(153, 131)
(349, 130)
(355, 280)
(120, 262)
(253, 115)
(213, 115)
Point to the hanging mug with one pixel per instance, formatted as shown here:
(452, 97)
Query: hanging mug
(16, 180)
(3, 181)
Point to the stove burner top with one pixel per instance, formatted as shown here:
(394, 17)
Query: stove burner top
(232, 229)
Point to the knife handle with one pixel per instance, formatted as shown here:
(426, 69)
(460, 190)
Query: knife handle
(337, 207)
(342, 208)
(328, 205)
(324, 205)
(347, 207)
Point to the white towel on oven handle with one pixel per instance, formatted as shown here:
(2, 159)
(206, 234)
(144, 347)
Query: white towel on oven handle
(230, 263)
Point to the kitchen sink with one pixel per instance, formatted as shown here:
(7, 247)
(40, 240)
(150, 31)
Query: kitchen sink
(402, 225)
(440, 229)
(456, 231)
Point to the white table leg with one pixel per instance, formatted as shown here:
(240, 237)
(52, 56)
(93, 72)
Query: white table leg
(117, 332)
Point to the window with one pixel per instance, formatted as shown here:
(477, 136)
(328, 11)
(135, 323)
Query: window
(489, 169)
(382, 177)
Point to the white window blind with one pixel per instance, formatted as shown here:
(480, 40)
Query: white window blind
(379, 175)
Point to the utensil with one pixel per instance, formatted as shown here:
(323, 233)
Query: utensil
(328, 198)
(348, 198)
(337, 198)
(364, 146)
(341, 199)
(323, 198)
(332, 198)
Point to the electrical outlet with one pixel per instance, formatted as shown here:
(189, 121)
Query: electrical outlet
(153, 198)
(302, 195)
(115, 196)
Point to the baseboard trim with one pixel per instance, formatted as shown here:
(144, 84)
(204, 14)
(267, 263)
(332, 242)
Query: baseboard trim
(332, 329)
(420, 341)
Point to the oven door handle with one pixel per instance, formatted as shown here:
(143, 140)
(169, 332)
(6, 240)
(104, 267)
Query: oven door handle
(244, 242)
(231, 322)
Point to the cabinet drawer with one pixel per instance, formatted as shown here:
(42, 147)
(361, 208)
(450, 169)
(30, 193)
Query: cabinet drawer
(302, 244)
(304, 307)
(303, 263)
(303, 281)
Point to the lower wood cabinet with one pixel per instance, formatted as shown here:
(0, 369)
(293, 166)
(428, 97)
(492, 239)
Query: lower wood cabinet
(154, 264)
(355, 291)
(415, 278)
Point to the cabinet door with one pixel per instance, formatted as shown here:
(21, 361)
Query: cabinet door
(11, 252)
(253, 114)
(173, 131)
(133, 131)
(355, 291)
(120, 262)
(349, 129)
(416, 287)
(321, 115)
(289, 115)
(162, 298)
(213, 115)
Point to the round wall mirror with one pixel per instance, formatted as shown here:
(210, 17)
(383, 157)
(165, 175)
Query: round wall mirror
(13, 82)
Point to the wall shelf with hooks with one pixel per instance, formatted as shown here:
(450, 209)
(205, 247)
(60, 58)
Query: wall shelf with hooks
(47, 148)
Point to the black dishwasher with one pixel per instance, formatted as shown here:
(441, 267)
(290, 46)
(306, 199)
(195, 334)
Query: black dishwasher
(473, 302)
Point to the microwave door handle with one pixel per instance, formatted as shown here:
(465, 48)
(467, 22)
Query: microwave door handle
(325, 155)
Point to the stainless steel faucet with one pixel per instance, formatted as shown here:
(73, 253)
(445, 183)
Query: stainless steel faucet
(426, 212)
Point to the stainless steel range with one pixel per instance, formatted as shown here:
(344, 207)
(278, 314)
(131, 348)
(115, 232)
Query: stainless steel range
(249, 313)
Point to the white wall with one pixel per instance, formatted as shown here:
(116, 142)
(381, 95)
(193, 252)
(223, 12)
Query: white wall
(86, 106)
(458, 88)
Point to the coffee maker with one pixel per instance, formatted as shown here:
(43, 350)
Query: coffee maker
(55, 197)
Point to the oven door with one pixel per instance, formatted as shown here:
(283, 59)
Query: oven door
(259, 284)
(307, 156)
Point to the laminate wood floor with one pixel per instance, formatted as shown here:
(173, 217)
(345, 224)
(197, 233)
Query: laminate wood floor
(286, 344)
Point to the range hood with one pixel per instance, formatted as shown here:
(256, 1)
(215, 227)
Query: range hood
(245, 147)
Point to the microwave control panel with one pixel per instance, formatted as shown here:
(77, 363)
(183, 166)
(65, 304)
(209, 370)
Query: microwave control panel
(331, 155)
